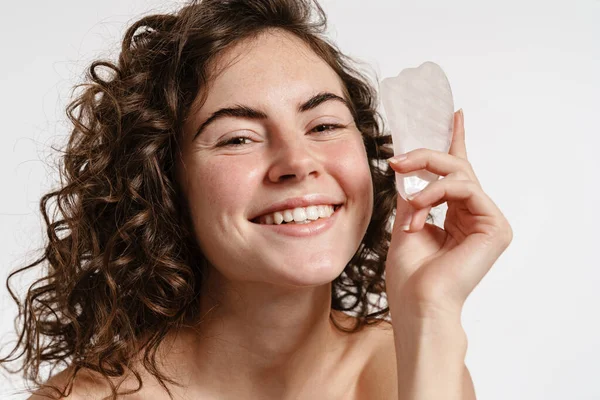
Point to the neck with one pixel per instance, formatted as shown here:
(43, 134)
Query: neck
(258, 338)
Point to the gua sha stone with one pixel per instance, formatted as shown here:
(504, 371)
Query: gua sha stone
(420, 112)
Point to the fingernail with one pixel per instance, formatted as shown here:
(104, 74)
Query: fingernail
(397, 159)
(461, 113)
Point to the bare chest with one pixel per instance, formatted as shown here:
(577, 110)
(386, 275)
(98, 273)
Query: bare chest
(367, 361)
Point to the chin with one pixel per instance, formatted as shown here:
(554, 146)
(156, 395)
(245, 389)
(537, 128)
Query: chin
(315, 270)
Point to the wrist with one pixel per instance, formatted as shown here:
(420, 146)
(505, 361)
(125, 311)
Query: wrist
(419, 326)
(430, 357)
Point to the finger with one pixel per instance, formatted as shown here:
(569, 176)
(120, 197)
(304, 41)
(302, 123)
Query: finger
(468, 192)
(418, 219)
(404, 214)
(458, 146)
(438, 162)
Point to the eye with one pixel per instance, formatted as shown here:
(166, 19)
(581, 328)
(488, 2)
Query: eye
(234, 141)
(326, 127)
(238, 141)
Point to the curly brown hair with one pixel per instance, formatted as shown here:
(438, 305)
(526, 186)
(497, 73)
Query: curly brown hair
(123, 264)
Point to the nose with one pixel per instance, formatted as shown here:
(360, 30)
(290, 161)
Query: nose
(294, 160)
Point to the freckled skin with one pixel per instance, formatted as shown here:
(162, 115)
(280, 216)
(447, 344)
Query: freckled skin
(282, 159)
(265, 330)
(269, 335)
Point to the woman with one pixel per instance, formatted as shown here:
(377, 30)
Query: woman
(228, 226)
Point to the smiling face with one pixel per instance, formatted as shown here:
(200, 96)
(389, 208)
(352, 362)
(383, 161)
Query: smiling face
(287, 134)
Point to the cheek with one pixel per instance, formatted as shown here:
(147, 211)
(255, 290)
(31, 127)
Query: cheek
(352, 166)
(222, 186)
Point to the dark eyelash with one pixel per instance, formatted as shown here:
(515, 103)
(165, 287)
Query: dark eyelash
(229, 141)
(334, 126)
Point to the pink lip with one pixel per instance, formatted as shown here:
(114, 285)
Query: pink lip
(315, 227)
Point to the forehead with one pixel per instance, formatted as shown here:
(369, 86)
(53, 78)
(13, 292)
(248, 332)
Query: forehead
(274, 66)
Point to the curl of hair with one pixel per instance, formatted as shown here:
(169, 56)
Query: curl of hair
(123, 266)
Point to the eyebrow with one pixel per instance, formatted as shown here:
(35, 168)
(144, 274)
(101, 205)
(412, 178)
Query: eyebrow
(242, 111)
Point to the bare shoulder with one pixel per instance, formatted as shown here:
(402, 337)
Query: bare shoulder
(379, 378)
(60, 381)
(86, 385)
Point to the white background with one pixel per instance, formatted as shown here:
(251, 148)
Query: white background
(526, 75)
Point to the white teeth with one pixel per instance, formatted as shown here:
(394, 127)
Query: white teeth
(288, 216)
(323, 213)
(278, 218)
(299, 215)
(312, 212)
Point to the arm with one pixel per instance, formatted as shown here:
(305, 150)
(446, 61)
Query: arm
(430, 361)
(431, 271)
(380, 377)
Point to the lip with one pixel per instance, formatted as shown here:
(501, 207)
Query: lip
(293, 202)
(313, 228)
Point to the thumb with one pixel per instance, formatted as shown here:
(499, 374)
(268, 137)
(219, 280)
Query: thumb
(404, 214)
(408, 248)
